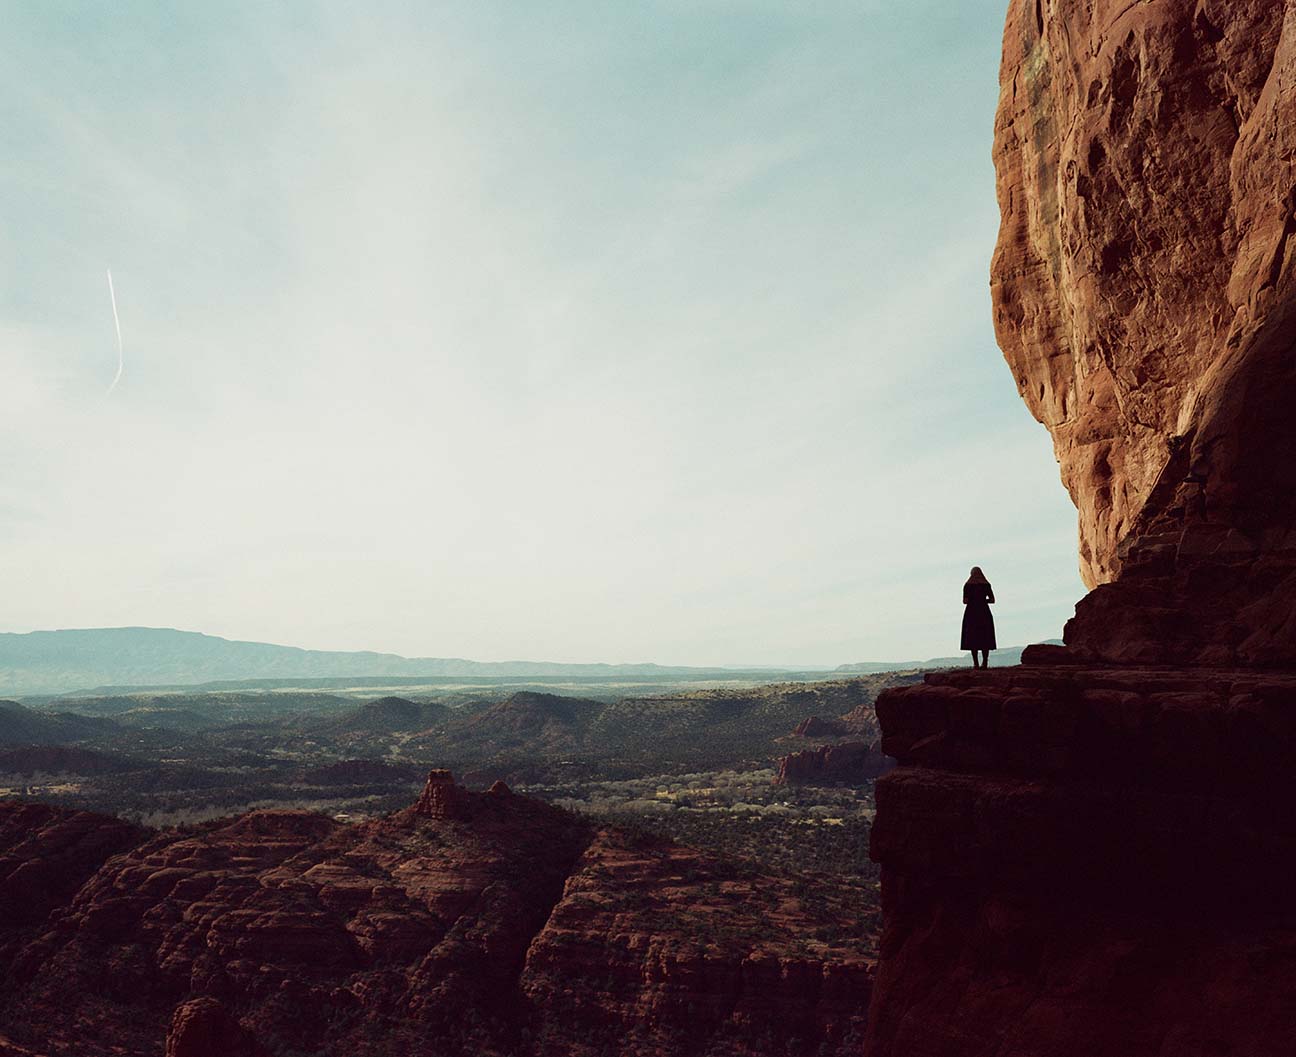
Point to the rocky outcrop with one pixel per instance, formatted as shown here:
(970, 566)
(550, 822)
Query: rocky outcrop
(814, 727)
(846, 763)
(1144, 299)
(1080, 861)
(654, 949)
(46, 854)
(442, 798)
(202, 1027)
(467, 923)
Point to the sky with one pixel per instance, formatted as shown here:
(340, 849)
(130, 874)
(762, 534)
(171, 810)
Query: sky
(575, 331)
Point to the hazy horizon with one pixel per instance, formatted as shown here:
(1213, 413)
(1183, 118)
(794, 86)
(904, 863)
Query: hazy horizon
(623, 662)
(571, 334)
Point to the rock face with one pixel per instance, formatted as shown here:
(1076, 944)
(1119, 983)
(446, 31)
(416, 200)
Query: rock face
(47, 854)
(1082, 859)
(1144, 299)
(202, 1027)
(1087, 861)
(654, 949)
(850, 762)
(468, 923)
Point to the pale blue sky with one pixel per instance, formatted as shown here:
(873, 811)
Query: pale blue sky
(569, 331)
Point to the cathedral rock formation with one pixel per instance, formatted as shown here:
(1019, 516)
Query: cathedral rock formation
(1092, 853)
(1144, 299)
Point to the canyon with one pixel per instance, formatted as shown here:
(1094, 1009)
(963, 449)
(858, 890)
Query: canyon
(469, 922)
(1091, 853)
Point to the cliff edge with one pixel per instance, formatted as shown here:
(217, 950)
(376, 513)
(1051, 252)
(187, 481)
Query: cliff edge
(1091, 853)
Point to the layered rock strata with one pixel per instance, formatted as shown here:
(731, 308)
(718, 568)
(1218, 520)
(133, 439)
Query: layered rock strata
(1144, 299)
(46, 854)
(469, 923)
(655, 949)
(1087, 861)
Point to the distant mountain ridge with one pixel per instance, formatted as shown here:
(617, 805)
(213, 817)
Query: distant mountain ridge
(52, 662)
(60, 662)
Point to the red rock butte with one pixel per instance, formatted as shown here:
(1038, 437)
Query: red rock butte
(1092, 853)
(441, 798)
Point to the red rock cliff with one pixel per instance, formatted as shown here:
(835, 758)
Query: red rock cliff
(1088, 858)
(1144, 299)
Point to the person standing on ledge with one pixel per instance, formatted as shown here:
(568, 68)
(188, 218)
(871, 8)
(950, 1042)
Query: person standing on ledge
(978, 623)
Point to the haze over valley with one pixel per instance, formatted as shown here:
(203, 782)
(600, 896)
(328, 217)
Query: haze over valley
(739, 809)
(675, 529)
(60, 662)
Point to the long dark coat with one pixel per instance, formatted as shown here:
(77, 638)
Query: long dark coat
(978, 624)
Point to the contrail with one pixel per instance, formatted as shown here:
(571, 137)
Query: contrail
(121, 361)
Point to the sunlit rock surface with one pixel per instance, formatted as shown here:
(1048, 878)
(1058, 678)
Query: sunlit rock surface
(1085, 858)
(1143, 298)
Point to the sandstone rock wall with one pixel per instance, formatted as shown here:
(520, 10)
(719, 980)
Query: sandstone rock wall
(1144, 299)
(1083, 859)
